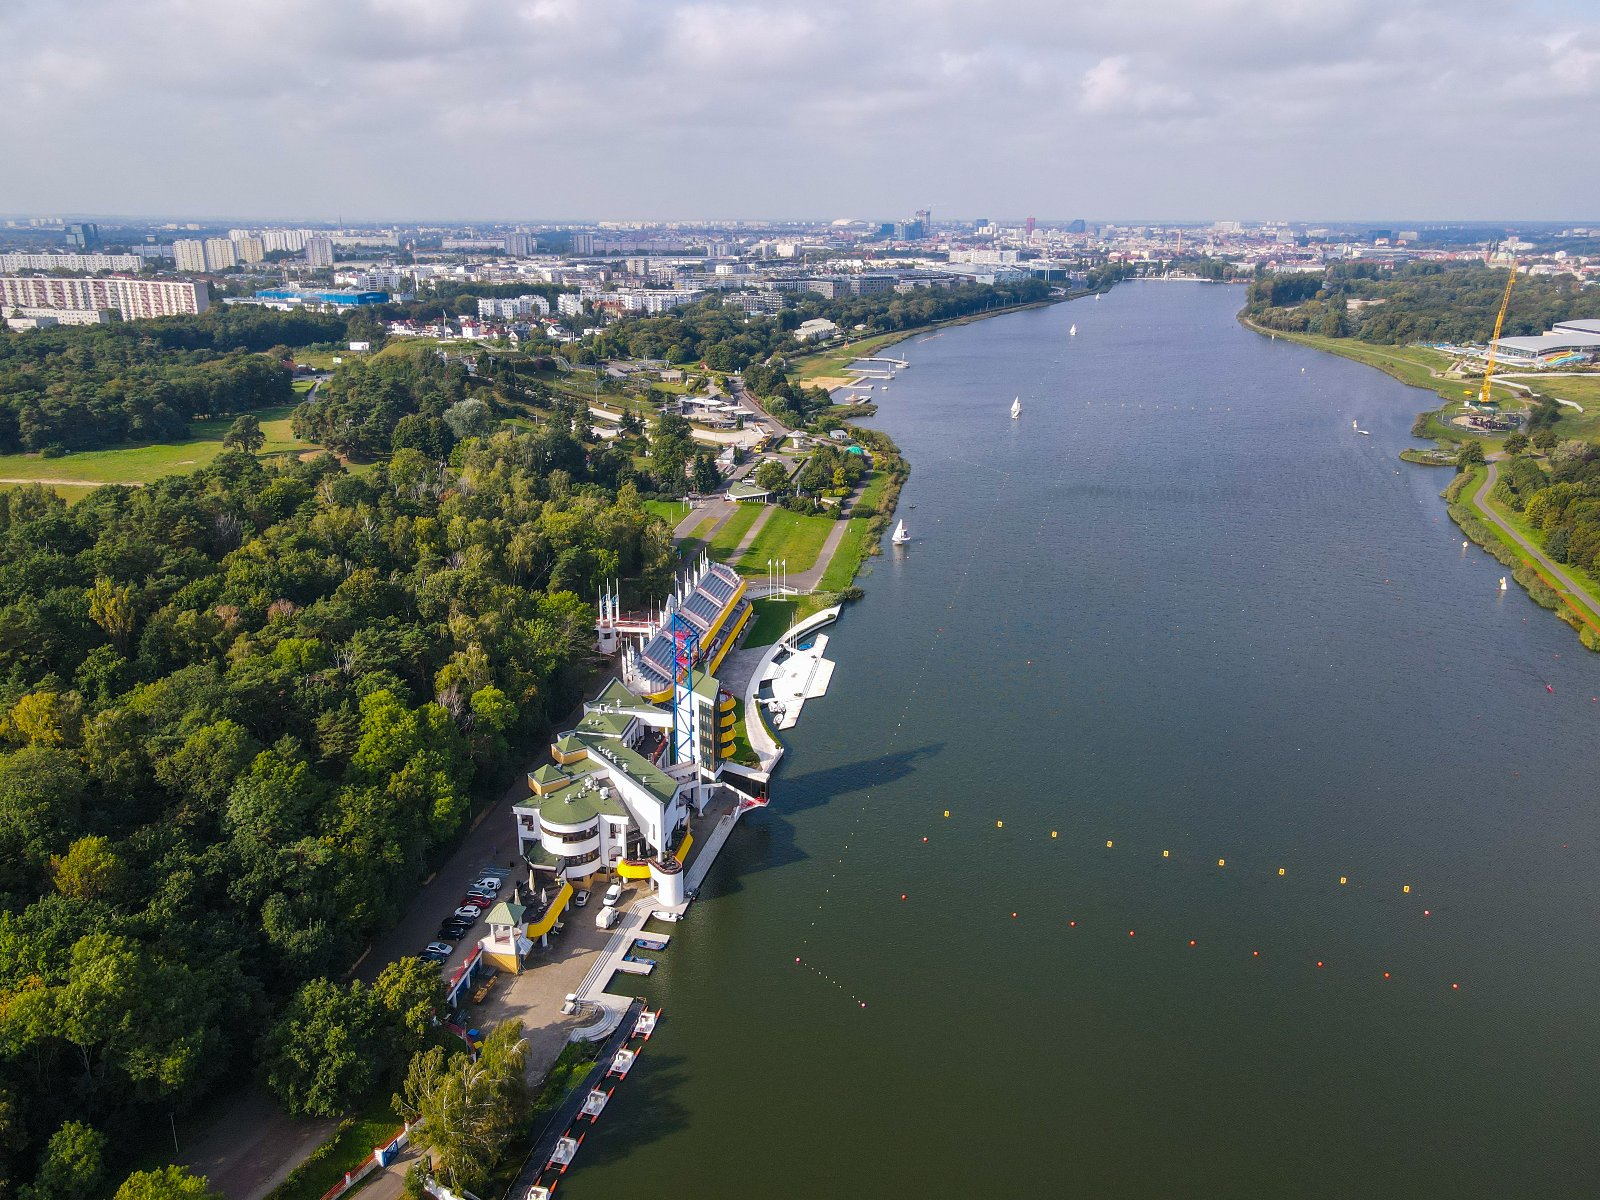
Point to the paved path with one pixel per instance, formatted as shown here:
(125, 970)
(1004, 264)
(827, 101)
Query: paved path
(750, 534)
(1574, 594)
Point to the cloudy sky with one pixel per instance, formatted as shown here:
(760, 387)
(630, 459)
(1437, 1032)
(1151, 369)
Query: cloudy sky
(637, 109)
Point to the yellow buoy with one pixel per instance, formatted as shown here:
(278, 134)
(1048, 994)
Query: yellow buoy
(1222, 862)
(1343, 880)
(1052, 833)
(1108, 843)
(999, 824)
(1166, 854)
(1280, 871)
(947, 812)
(1406, 888)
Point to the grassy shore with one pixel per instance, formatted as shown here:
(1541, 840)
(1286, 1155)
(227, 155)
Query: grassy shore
(795, 537)
(726, 540)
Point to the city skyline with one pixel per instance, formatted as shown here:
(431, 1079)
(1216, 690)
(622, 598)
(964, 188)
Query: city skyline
(392, 110)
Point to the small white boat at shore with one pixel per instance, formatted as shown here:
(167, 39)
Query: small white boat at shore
(900, 537)
(594, 1104)
(1016, 408)
(664, 914)
(1502, 583)
(622, 1063)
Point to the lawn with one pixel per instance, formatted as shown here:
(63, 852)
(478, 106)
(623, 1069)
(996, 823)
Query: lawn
(1583, 390)
(833, 363)
(142, 464)
(670, 511)
(847, 559)
(774, 618)
(787, 535)
(732, 533)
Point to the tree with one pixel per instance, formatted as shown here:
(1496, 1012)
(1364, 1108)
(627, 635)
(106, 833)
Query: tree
(166, 1183)
(1545, 439)
(771, 476)
(1516, 442)
(73, 1165)
(705, 476)
(1469, 455)
(469, 1111)
(244, 434)
(90, 869)
(470, 418)
(409, 991)
(327, 1050)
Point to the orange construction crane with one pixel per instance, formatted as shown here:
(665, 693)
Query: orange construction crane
(1499, 321)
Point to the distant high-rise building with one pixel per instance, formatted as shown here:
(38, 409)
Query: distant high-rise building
(319, 252)
(924, 218)
(1078, 226)
(133, 298)
(83, 235)
(220, 254)
(1030, 226)
(189, 254)
(583, 243)
(276, 240)
(249, 249)
(520, 245)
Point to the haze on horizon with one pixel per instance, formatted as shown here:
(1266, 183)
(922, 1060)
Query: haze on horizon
(670, 110)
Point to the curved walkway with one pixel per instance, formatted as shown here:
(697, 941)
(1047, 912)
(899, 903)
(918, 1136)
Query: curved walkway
(1574, 595)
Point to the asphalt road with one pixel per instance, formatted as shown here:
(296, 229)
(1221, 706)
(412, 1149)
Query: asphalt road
(1576, 594)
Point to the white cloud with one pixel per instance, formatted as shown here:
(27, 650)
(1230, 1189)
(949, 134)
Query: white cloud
(683, 107)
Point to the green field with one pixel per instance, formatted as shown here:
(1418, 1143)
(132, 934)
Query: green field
(1583, 390)
(670, 511)
(833, 362)
(142, 464)
(787, 535)
(732, 533)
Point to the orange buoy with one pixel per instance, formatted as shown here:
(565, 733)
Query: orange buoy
(1013, 916)
(924, 839)
(902, 895)
(1455, 987)
(1319, 962)
(1386, 974)
(1255, 954)
(1130, 933)
(1073, 924)
(1191, 941)
(1426, 913)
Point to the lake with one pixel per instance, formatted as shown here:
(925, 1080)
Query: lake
(1179, 612)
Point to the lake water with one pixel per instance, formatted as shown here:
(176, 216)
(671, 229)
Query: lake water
(1180, 607)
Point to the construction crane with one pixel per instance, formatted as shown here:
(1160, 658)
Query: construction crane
(1499, 321)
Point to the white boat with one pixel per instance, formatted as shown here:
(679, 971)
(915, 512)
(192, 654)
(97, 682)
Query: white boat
(1354, 425)
(1364, 432)
(594, 1104)
(562, 1155)
(1073, 332)
(666, 914)
(646, 1024)
(1502, 583)
(1016, 408)
(901, 537)
(622, 1063)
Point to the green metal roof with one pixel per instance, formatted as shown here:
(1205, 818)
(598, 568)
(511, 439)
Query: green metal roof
(638, 768)
(549, 774)
(506, 914)
(617, 694)
(540, 857)
(605, 724)
(568, 744)
(706, 685)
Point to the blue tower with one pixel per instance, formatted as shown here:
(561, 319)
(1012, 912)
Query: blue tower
(685, 648)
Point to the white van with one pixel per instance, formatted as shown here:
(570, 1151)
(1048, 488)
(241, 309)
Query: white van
(607, 917)
(613, 894)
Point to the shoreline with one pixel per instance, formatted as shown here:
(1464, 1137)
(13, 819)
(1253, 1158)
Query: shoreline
(1479, 522)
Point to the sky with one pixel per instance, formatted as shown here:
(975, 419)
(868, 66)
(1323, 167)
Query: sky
(412, 110)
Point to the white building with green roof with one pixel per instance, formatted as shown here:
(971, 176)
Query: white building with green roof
(611, 794)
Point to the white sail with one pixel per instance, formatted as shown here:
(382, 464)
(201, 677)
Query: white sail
(1016, 408)
(1073, 332)
(901, 537)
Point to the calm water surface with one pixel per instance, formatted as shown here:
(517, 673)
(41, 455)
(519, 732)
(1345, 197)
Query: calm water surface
(1179, 606)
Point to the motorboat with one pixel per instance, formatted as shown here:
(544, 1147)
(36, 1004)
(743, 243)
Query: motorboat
(900, 537)
(664, 914)
(646, 942)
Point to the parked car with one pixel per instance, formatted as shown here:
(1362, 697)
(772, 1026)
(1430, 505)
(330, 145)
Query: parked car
(490, 883)
(606, 917)
(579, 899)
(613, 894)
(452, 931)
(436, 952)
(483, 899)
(469, 912)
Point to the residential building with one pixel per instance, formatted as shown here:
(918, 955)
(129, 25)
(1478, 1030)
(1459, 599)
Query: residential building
(83, 235)
(42, 317)
(220, 254)
(569, 304)
(520, 245)
(319, 252)
(69, 262)
(291, 240)
(250, 249)
(132, 298)
(190, 255)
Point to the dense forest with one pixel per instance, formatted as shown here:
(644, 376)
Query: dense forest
(1417, 302)
(242, 711)
(1563, 502)
(83, 387)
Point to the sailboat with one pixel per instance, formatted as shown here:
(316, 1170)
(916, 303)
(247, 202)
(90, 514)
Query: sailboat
(1073, 332)
(1016, 408)
(900, 537)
